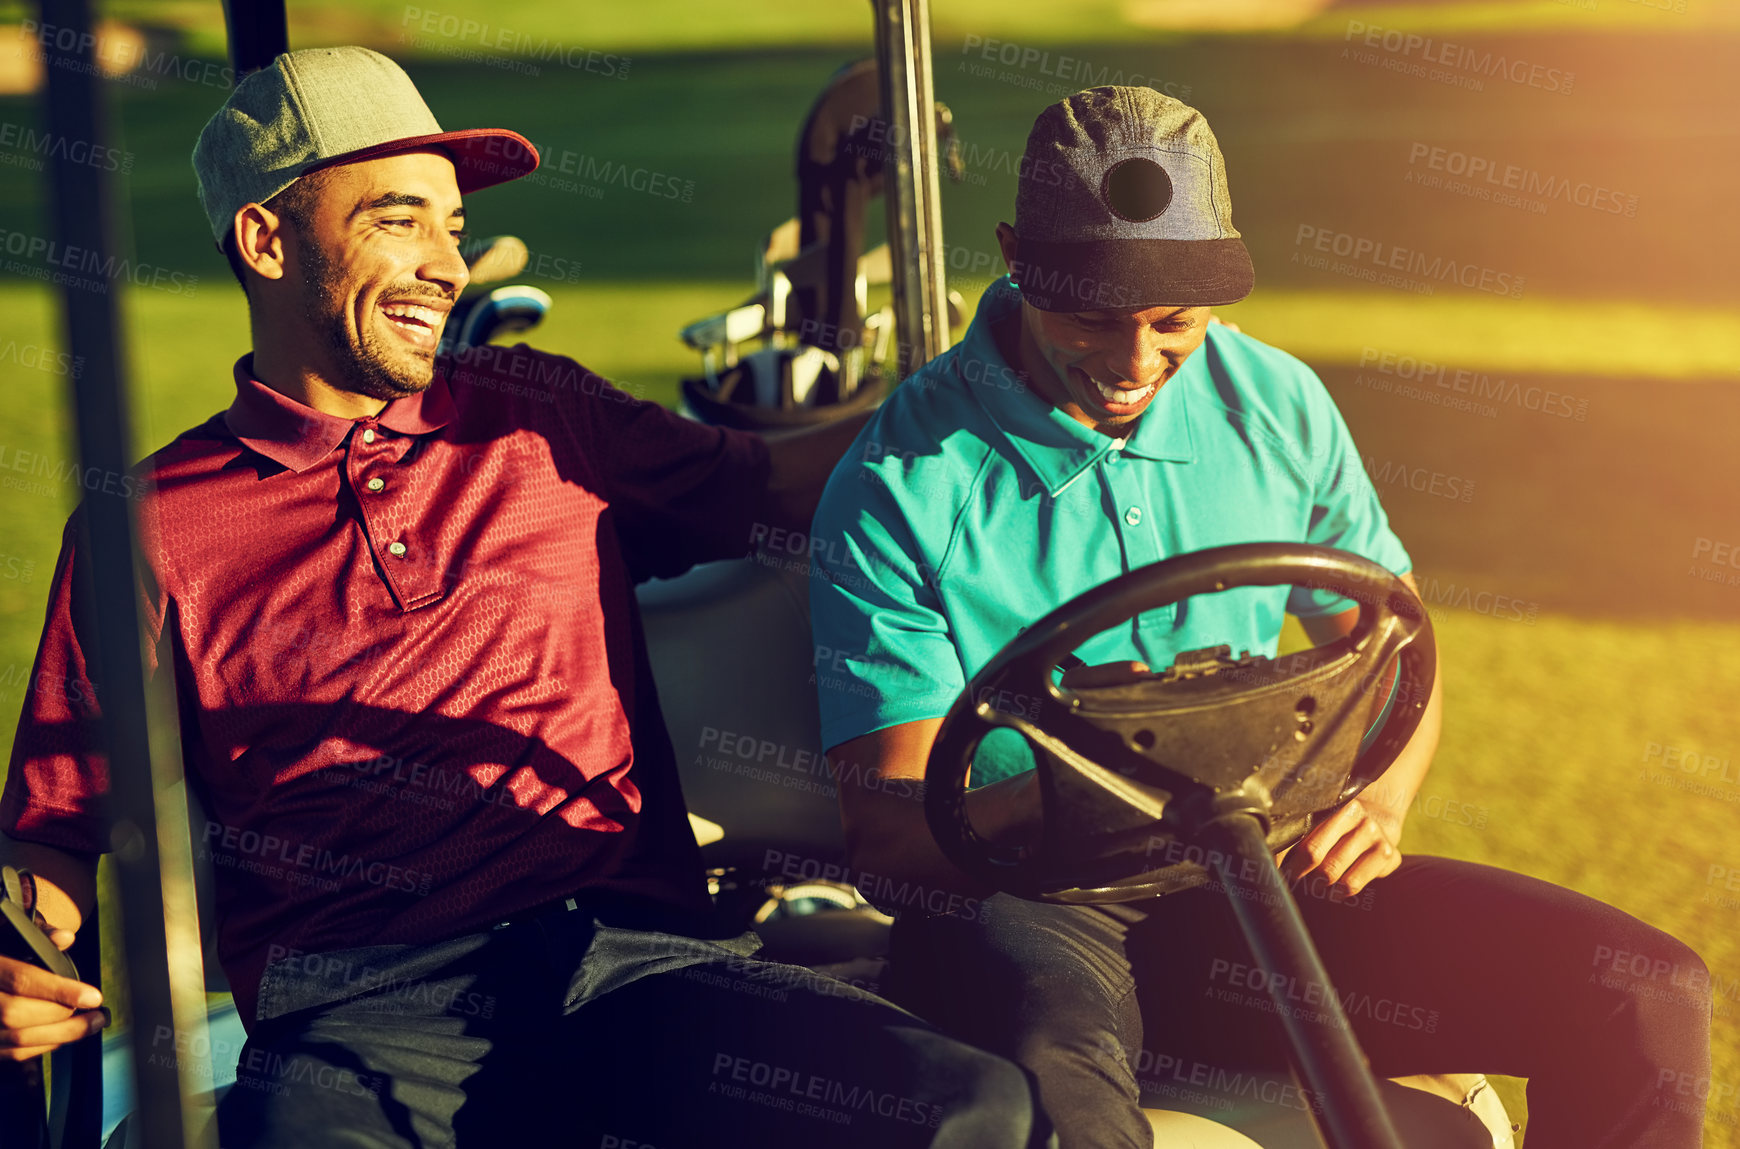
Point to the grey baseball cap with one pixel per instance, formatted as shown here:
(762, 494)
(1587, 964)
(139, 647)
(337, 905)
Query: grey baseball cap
(1122, 202)
(324, 106)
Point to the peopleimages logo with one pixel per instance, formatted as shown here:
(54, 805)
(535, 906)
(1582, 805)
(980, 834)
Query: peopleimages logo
(123, 59)
(68, 265)
(24, 140)
(302, 863)
(812, 1095)
(1400, 373)
(1383, 258)
(58, 472)
(40, 358)
(891, 895)
(592, 174)
(1421, 479)
(419, 25)
(1309, 999)
(1411, 53)
(1043, 285)
(1036, 68)
(1484, 178)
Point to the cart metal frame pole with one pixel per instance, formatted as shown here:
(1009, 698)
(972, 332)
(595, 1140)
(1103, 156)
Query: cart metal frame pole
(259, 32)
(1325, 1051)
(913, 188)
(146, 811)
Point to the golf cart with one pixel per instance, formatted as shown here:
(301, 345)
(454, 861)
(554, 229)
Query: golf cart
(1217, 763)
(733, 657)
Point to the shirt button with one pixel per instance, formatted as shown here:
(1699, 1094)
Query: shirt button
(368, 436)
(377, 484)
(1133, 516)
(1114, 455)
(397, 550)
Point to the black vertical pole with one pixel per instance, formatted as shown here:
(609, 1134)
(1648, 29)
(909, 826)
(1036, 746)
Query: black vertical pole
(259, 32)
(1325, 1051)
(84, 245)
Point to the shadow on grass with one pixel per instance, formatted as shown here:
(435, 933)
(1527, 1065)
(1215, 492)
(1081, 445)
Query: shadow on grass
(1626, 512)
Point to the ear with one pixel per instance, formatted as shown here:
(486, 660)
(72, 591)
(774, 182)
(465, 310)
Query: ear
(1011, 247)
(259, 238)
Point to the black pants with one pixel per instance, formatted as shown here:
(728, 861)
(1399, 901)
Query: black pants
(1442, 967)
(562, 1031)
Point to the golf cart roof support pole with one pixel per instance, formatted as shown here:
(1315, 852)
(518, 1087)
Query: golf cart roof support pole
(1324, 1049)
(259, 32)
(912, 188)
(146, 811)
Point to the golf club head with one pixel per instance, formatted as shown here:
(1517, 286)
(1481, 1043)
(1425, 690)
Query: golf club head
(503, 311)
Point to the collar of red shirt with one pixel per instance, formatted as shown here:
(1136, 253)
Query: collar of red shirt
(298, 436)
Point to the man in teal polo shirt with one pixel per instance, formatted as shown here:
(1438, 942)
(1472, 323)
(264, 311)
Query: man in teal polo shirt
(1094, 420)
(1014, 507)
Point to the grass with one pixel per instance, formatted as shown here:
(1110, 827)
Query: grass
(1548, 736)
(1594, 522)
(667, 25)
(1481, 333)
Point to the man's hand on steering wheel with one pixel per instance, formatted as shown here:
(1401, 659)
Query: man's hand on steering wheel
(1347, 850)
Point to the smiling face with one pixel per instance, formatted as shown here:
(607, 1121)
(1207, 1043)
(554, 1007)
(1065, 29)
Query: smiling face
(371, 273)
(1103, 368)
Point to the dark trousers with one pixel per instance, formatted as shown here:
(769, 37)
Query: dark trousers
(1442, 967)
(562, 1031)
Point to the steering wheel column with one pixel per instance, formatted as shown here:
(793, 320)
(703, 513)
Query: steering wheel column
(1202, 772)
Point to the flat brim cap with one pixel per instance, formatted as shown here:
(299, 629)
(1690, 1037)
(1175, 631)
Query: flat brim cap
(1122, 203)
(326, 106)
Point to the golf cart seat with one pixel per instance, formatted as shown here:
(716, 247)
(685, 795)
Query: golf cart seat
(731, 652)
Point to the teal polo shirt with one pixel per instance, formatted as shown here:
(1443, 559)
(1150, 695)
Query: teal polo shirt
(970, 507)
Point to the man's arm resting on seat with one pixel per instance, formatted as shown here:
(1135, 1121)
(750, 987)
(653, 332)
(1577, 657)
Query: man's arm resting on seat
(801, 462)
(38, 1010)
(1360, 842)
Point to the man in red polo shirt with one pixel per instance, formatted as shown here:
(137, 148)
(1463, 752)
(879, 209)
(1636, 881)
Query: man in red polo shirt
(458, 899)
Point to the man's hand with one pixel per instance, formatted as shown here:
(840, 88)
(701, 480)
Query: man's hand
(1355, 844)
(1359, 841)
(40, 1011)
(1348, 850)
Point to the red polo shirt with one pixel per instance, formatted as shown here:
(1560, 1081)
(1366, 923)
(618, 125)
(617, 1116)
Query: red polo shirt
(414, 690)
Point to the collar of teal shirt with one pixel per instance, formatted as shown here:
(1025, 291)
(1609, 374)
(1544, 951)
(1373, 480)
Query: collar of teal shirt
(1057, 448)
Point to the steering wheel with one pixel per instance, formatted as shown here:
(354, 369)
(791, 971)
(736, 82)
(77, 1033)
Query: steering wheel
(1129, 774)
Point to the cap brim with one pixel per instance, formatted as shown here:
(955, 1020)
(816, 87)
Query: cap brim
(482, 157)
(1122, 274)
